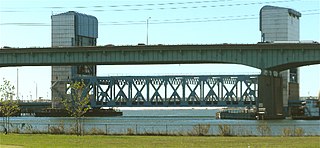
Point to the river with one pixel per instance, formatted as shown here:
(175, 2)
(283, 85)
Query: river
(181, 121)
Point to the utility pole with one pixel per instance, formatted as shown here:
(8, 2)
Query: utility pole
(148, 30)
(17, 84)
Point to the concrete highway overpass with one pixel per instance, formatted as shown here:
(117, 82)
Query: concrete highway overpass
(274, 57)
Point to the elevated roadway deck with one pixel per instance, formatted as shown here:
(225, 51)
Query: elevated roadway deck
(275, 57)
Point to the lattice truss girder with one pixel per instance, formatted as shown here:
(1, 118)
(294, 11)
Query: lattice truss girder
(217, 90)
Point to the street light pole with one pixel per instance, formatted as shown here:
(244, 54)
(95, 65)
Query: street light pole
(148, 30)
(18, 84)
(36, 89)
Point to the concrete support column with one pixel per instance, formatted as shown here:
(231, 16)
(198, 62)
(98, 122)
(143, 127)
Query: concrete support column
(270, 96)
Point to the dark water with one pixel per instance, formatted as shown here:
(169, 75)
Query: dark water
(180, 121)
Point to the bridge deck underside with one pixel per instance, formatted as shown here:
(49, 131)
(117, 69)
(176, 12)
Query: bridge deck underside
(175, 91)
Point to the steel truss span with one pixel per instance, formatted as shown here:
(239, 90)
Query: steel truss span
(172, 91)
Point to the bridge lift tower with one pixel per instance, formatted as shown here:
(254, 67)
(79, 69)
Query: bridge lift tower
(282, 24)
(71, 29)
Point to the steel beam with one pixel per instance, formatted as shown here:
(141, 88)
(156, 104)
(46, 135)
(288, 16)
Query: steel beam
(135, 91)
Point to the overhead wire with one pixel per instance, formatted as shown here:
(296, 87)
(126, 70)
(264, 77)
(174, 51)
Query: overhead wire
(16, 9)
(170, 3)
(179, 20)
(203, 6)
(159, 4)
(201, 20)
(167, 21)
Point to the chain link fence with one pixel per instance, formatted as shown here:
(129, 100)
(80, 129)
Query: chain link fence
(261, 129)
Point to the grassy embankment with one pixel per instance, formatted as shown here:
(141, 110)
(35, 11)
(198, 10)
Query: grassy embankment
(44, 140)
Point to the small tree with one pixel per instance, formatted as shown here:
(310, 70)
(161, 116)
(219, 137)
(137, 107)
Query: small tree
(201, 129)
(263, 128)
(8, 107)
(225, 130)
(77, 103)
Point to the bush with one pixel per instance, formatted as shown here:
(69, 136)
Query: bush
(59, 129)
(200, 129)
(130, 131)
(264, 129)
(96, 131)
(242, 131)
(299, 131)
(286, 132)
(31, 130)
(224, 130)
(296, 132)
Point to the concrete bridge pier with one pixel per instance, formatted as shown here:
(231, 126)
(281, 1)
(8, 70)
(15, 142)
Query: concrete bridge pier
(270, 102)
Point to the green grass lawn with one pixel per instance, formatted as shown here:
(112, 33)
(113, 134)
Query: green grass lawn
(39, 140)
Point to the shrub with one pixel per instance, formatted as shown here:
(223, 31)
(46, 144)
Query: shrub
(295, 132)
(200, 129)
(96, 131)
(224, 130)
(59, 129)
(286, 132)
(130, 131)
(31, 130)
(299, 131)
(243, 131)
(264, 129)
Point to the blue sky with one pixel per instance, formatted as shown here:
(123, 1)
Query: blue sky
(26, 23)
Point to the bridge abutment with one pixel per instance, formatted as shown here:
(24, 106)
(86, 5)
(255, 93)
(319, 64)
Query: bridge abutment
(270, 102)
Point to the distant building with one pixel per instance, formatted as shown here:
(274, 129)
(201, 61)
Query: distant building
(282, 24)
(71, 29)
